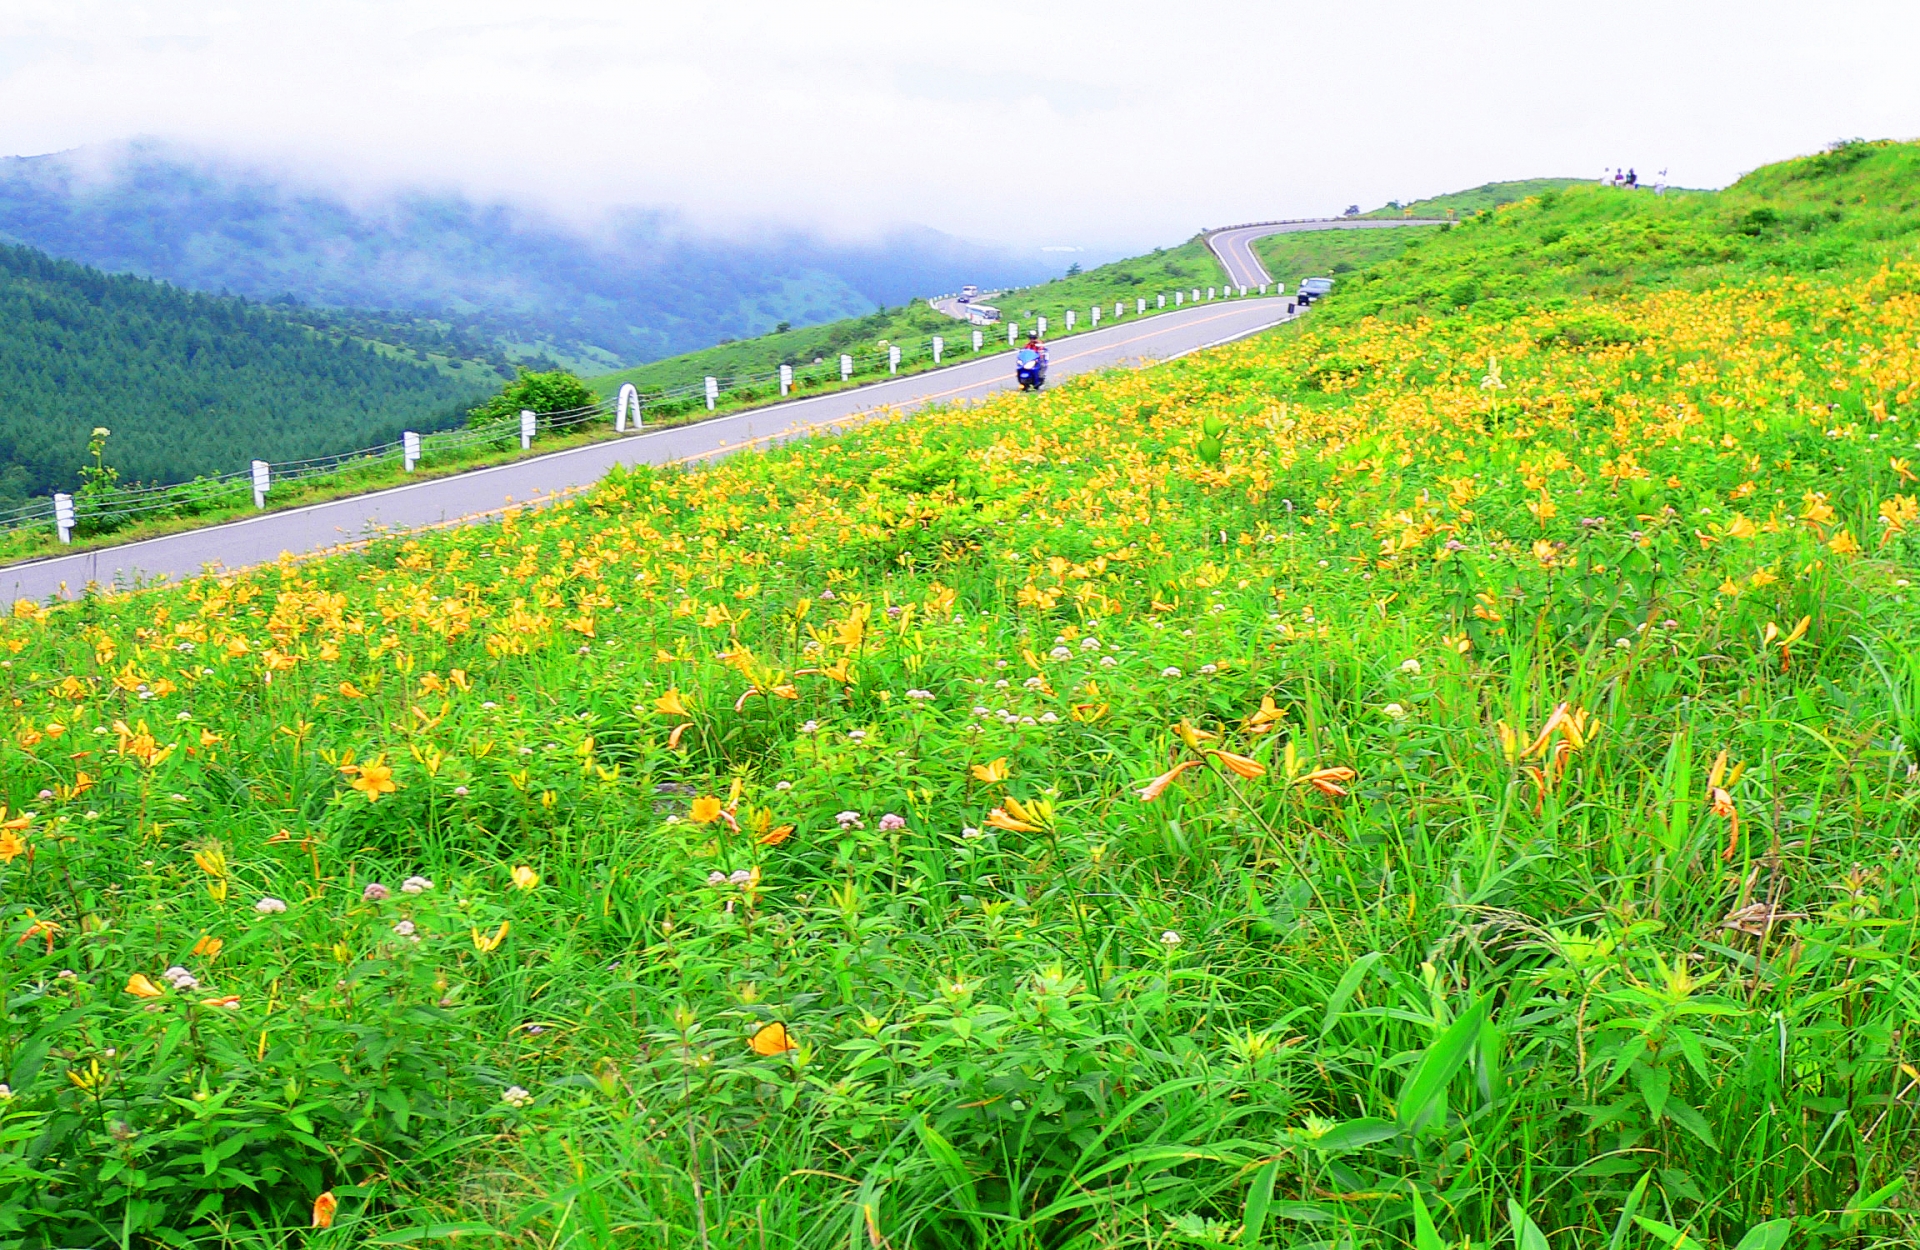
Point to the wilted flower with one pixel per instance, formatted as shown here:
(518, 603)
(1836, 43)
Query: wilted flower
(525, 878)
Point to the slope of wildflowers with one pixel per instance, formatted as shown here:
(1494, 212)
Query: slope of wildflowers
(1374, 784)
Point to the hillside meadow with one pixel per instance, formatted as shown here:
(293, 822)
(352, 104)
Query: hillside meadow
(1415, 779)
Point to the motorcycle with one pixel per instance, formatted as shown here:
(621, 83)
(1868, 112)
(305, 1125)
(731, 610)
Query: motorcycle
(1030, 369)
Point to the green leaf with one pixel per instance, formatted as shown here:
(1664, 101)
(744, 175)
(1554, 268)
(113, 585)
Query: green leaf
(1259, 1197)
(1668, 1234)
(1655, 1084)
(1692, 1121)
(1425, 1235)
(1620, 1230)
(1768, 1236)
(1353, 1134)
(1862, 1203)
(432, 1232)
(1526, 1234)
(1424, 1094)
(1349, 982)
(948, 1158)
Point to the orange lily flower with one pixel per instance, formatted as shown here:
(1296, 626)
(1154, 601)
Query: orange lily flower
(1240, 765)
(140, 986)
(1328, 781)
(1153, 789)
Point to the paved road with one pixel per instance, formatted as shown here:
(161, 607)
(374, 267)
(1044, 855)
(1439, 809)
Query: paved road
(264, 538)
(952, 306)
(1234, 245)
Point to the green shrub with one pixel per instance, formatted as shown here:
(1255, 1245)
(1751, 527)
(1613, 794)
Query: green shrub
(543, 393)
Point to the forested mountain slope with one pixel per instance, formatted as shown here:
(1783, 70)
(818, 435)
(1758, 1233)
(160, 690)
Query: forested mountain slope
(188, 383)
(642, 286)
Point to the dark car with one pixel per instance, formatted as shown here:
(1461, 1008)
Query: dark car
(1312, 289)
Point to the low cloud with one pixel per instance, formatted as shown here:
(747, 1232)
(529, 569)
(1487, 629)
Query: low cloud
(1101, 125)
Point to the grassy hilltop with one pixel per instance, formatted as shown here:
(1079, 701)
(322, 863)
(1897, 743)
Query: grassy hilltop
(1440, 773)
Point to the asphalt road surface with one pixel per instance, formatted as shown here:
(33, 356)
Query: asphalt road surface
(1234, 246)
(261, 539)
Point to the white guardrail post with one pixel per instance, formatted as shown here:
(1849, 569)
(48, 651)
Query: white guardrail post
(713, 393)
(63, 517)
(939, 345)
(629, 394)
(1140, 305)
(786, 379)
(1196, 295)
(1013, 330)
(846, 367)
(1069, 320)
(262, 479)
(893, 360)
(1042, 331)
(410, 448)
(1095, 311)
(527, 423)
(978, 339)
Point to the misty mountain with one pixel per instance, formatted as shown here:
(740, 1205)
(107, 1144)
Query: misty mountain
(645, 286)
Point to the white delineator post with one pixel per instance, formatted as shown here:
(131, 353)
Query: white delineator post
(1196, 295)
(410, 449)
(939, 345)
(1095, 311)
(628, 395)
(1013, 331)
(1119, 307)
(846, 367)
(1178, 298)
(978, 340)
(1140, 305)
(1069, 320)
(1042, 331)
(1209, 292)
(786, 378)
(893, 360)
(63, 517)
(713, 392)
(1263, 288)
(262, 478)
(528, 423)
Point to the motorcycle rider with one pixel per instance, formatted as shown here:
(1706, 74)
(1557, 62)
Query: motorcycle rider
(1035, 346)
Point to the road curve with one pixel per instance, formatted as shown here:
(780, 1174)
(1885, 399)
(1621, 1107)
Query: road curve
(1233, 246)
(319, 527)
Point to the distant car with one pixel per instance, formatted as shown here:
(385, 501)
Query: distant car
(1312, 289)
(967, 294)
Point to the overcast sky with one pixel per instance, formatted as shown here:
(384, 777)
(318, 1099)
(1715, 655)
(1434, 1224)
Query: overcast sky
(1103, 124)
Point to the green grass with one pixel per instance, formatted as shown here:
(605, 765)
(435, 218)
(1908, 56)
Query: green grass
(1481, 198)
(1438, 778)
(1330, 253)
